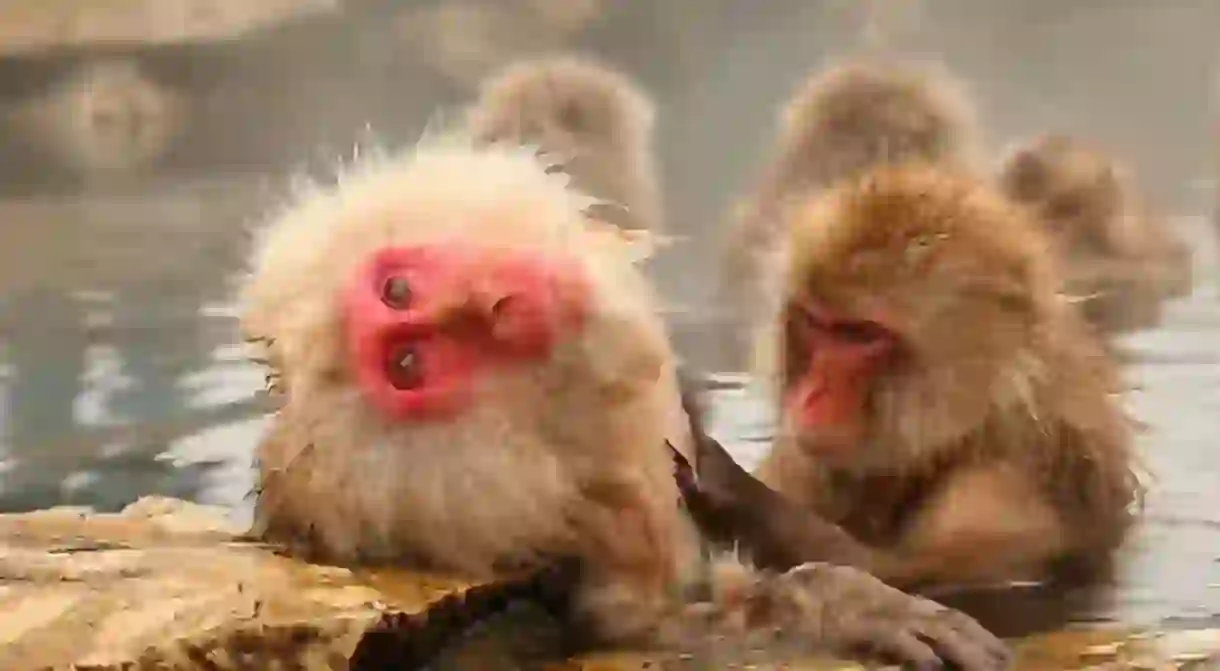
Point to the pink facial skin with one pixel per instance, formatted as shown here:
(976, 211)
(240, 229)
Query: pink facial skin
(424, 322)
(844, 356)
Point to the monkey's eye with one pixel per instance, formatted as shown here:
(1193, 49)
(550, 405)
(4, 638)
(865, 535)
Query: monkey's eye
(862, 332)
(402, 367)
(396, 293)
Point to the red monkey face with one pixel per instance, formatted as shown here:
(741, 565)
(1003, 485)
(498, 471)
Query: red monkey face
(423, 322)
(836, 360)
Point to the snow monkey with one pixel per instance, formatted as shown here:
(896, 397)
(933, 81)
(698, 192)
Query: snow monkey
(1118, 260)
(473, 378)
(939, 398)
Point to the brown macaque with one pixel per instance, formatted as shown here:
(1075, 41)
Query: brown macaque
(106, 118)
(842, 121)
(734, 509)
(1119, 261)
(473, 378)
(594, 120)
(938, 398)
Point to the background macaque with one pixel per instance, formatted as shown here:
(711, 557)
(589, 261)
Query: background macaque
(594, 120)
(939, 399)
(843, 121)
(106, 118)
(1121, 262)
(475, 380)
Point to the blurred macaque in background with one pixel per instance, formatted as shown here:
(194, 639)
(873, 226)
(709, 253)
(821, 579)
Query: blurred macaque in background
(593, 121)
(106, 117)
(1120, 260)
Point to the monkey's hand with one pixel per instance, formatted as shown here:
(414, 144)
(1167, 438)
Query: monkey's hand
(731, 507)
(848, 610)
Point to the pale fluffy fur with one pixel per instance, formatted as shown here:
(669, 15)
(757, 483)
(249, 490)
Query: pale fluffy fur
(435, 193)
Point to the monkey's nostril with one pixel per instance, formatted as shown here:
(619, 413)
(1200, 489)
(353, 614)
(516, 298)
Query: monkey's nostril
(402, 367)
(499, 309)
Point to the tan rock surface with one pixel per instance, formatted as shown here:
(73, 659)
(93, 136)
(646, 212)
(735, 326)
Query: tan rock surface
(167, 584)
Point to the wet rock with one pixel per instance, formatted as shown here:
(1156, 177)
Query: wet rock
(170, 584)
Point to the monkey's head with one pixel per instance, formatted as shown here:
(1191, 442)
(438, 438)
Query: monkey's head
(1075, 189)
(562, 104)
(915, 300)
(862, 113)
(594, 119)
(449, 329)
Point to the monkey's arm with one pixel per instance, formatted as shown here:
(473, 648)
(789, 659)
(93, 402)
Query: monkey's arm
(731, 507)
(810, 606)
(963, 535)
(986, 524)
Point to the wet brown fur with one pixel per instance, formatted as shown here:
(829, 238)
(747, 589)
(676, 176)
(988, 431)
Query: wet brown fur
(844, 120)
(1121, 261)
(994, 448)
(593, 118)
(565, 458)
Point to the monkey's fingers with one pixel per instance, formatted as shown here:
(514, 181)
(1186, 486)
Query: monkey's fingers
(900, 646)
(972, 629)
(959, 638)
(708, 512)
(859, 611)
(951, 635)
(684, 473)
(926, 644)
